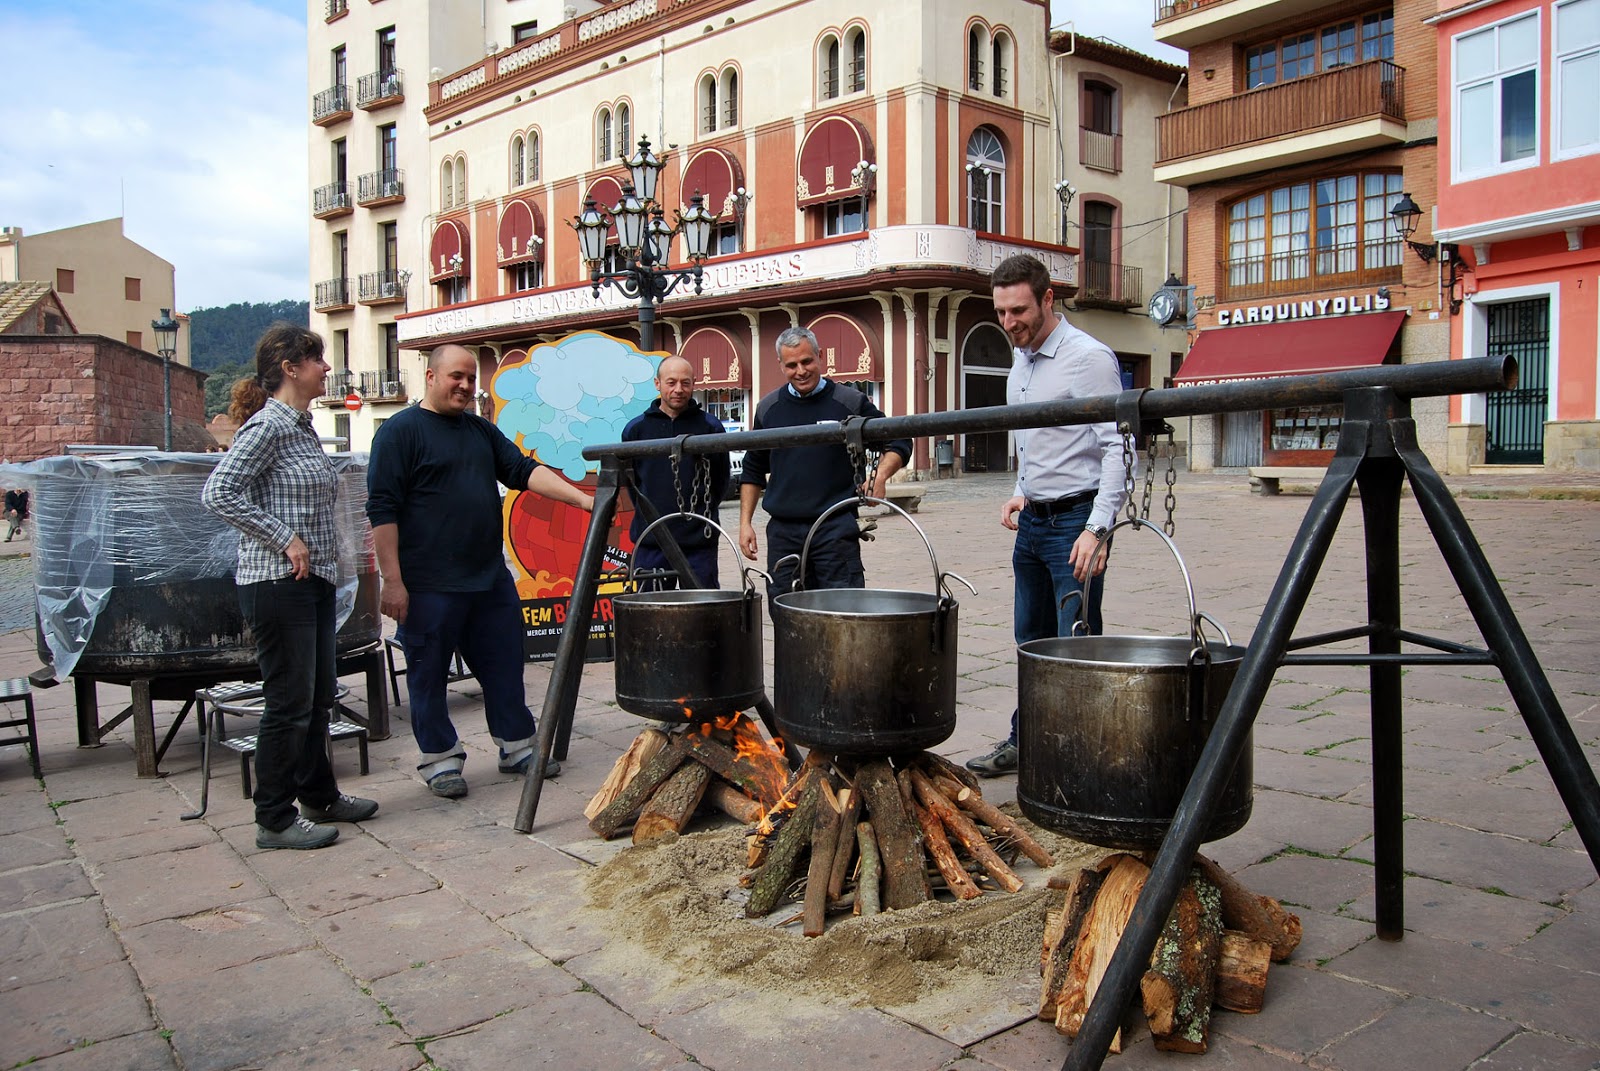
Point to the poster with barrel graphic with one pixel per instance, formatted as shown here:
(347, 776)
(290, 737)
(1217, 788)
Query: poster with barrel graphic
(553, 401)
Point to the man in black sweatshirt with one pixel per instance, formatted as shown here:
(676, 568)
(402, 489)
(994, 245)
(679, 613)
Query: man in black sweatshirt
(801, 482)
(695, 485)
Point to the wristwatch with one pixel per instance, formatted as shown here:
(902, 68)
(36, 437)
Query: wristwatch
(1097, 530)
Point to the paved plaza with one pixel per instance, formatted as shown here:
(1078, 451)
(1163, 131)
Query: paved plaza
(436, 936)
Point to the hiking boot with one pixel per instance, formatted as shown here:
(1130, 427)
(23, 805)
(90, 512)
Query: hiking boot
(520, 767)
(302, 833)
(343, 809)
(1002, 760)
(449, 785)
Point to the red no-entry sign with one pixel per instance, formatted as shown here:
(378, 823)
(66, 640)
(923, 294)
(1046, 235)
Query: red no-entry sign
(352, 401)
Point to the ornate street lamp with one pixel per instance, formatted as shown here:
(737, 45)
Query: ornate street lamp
(644, 240)
(1065, 192)
(166, 331)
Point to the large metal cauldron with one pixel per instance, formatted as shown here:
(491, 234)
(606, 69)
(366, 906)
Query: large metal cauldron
(692, 654)
(865, 671)
(1111, 728)
(136, 580)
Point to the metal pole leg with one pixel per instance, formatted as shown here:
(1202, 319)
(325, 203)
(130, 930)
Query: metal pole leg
(561, 695)
(1536, 700)
(1221, 752)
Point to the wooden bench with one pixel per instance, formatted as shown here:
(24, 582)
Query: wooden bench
(1265, 480)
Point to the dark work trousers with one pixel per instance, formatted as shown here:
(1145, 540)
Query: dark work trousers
(834, 560)
(703, 560)
(293, 623)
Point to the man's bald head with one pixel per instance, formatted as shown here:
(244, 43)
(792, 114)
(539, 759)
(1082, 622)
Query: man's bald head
(449, 349)
(675, 382)
(452, 380)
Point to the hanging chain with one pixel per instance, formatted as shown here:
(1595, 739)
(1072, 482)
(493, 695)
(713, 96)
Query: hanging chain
(871, 482)
(677, 482)
(1128, 485)
(1149, 478)
(1172, 480)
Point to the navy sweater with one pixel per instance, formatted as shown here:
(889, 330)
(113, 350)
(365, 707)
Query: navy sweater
(803, 481)
(655, 473)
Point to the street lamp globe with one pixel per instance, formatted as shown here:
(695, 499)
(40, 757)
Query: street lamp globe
(591, 225)
(696, 226)
(645, 168)
(166, 332)
(630, 214)
(1404, 216)
(659, 237)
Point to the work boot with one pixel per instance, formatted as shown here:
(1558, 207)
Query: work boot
(1002, 760)
(301, 833)
(520, 767)
(342, 809)
(449, 785)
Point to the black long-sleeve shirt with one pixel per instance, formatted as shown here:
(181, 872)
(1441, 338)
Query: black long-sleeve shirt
(655, 473)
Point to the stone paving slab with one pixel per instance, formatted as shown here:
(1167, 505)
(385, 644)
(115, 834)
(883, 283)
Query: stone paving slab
(446, 996)
(380, 939)
(72, 1011)
(803, 1033)
(577, 1030)
(55, 941)
(1530, 1051)
(199, 945)
(170, 885)
(144, 1051)
(1420, 1033)
(1486, 861)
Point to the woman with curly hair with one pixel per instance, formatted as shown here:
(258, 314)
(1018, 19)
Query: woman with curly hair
(276, 485)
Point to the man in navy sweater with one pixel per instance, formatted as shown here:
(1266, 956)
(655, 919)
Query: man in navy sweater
(801, 482)
(696, 487)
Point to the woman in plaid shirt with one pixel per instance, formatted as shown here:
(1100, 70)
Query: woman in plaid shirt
(276, 485)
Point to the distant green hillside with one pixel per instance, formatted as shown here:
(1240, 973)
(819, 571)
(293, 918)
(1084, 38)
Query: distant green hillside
(222, 341)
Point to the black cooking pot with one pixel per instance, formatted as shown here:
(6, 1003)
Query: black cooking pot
(860, 671)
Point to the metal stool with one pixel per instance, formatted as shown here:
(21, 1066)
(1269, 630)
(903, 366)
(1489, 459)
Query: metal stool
(457, 672)
(11, 691)
(246, 700)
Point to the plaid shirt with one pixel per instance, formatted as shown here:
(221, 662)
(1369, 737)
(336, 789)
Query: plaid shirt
(273, 484)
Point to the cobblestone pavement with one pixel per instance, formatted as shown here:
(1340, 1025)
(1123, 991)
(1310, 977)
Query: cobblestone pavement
(435, 936)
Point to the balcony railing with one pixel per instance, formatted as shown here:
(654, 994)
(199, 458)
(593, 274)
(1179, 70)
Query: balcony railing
(332, 294)
(380, 88)
(337, 8)
(383, 386)
(379, 287)
(1346, 94)
(1298, 271)
(1099, 150)
(1103, 284)
(381, 187)
(337, 387)
(331, 200)
(331, 105)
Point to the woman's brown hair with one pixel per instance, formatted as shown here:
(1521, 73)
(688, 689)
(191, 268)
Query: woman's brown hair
(281, 342)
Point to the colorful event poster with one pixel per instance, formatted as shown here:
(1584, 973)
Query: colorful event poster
(553, 401)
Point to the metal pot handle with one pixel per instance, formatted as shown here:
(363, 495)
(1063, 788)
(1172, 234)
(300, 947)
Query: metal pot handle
(1197, 641)
(939, 578)
(744, 570)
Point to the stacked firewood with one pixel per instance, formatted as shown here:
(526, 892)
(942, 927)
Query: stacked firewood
(665, 775)
(870, 828)
(1213, 951)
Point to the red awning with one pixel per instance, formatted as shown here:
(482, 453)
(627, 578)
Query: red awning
(520, 224)
(447, 253)
(1291, 348)
(830, 152)
(715, 174)
(606, 192)
(715, 357)
(848, 347)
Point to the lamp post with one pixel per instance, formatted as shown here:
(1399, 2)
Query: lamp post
(166, 330)
(865, 175)
(741, 205)
(1403, 216)
(1065, 192)
(644, 238)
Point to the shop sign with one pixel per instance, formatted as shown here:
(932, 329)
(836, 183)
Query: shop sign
(1344, 305)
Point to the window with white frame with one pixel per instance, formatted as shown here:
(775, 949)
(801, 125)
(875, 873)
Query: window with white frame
(708, 104)
(447, 185)
(461, 179)
(730, 97)
(856, 44)
(518, 174)
(528, 275)
(828, 68)
(1001, 71)
(624, 131)
(524, 157)
(1497, 97)
(1328, 231)
(602, 136)
(986, 181)
(976, 37)
(843, 217)
(1577, 60)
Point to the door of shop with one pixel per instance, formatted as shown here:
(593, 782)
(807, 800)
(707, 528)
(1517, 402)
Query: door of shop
(1514, 419)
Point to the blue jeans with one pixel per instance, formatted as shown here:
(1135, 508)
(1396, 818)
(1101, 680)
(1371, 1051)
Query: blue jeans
(486, 627)
(1043, 579)
(293, 624)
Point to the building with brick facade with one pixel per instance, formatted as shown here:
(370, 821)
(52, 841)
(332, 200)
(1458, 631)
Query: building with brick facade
(1519, 219)
(865, 193)
(1306, 124)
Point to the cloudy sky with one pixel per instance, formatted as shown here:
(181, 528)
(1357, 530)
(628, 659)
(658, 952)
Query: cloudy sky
(189, 120)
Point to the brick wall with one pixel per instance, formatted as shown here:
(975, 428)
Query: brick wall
(90, 389)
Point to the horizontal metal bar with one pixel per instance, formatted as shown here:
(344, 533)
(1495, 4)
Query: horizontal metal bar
(1402, 659)
(1300, 643)
(1474, 376)
(1436, 643)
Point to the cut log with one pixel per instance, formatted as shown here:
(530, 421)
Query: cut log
(1177, 987)
(934, 839)
(770, 884)
(868, 876)
(630, 799)
(954, 771)
(1242, 972)
(1097, 940)
(952, 788)
(672, 805)
(1261, 917)
(733, 803)
(643, 748)
(905, 882)
(754, 779)
(962, 829)
(824, 843)
(850, 808)
(1006, 826)
(1058, 958)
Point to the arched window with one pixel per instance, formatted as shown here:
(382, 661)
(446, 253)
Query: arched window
(624, 131)
(518, 174)
(730, 97)
(975, 42)
(447, 185)
(1000, 71)
(708, 104)
(461, 179)
(828, 68)
(533, 167)
(602, 137)
(856, 39)
(986, 181)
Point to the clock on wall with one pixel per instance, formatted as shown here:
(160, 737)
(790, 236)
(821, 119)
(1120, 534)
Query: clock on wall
(1163, 306)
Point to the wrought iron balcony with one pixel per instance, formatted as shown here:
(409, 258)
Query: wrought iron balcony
(337, 387)
(381, 188)
(331, 200)
(332, 294)
(1243, 133)
(380, 88)
(331, 106)
(380, 287)
(383, 386)
(1102, 284)
(337, 8)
